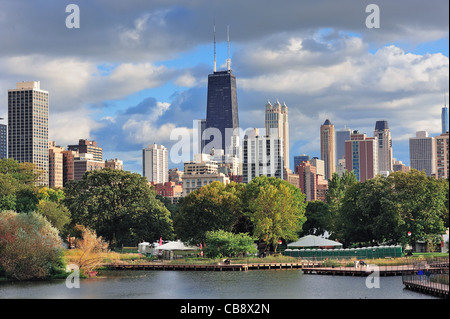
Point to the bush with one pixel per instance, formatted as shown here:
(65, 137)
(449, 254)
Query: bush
(225, 244)
(30, 248)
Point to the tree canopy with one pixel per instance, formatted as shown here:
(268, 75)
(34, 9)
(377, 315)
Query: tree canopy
(119, 206)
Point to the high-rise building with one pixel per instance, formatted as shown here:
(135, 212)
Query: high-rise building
(3, 141)
(383, 135)
(155, 162)
(307, 180)
(55, 165)
(262, 155)
(277, 125)
(300, 158)
(221, 108)
(361, 156)
(422, 153)
(28, 126)
(90, 147)
(114, 164)
(327, 148)
(85, 162)
(68, 165)
(442, 155)
(342, 135)
(444, 119)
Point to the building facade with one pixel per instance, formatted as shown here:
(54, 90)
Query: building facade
(442, 155)
(342, 135)
(88, 147)
(221, 111)
(262, 155)
(155, 162)
(85, 162)
(444, 119)
(385, 160)
(327, 148)
(3, 141)
(114, 164)
(422, 153)
(28, 108)
(361, 156)
(55, 165)
(277, 125)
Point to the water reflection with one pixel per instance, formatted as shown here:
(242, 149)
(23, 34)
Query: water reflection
(262, 284)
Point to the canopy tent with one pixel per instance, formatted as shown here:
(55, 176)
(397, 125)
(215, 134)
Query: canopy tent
(313, 241)
(174, 249)
(175, 245)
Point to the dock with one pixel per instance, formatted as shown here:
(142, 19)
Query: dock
(203, 267)
(360, 271)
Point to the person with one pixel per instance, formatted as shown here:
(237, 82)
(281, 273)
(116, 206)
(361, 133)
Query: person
(420, 273)
(427, 274)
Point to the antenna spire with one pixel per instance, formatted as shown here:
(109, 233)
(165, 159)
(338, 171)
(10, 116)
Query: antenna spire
(228, 40)
(215, 63)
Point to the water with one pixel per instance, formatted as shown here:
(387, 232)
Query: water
(257, 284)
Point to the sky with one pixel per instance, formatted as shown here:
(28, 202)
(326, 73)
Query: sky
(135, 72)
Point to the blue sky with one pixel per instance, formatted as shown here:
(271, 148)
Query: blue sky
(136, 71)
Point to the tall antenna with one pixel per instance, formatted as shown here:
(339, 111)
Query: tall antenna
(228, 40)
(215, 63)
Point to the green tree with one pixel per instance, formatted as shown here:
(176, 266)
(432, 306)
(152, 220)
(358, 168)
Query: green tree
(337, 188)
(318, 218)
(212, 207)
(276, 209)
(56, 213)
(119, 206)
(422, 204)
(30, 248)
(220, 243)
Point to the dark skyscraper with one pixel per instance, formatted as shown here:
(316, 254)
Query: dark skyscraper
(221, 107)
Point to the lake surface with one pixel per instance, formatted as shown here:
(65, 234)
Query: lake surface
(256, 284)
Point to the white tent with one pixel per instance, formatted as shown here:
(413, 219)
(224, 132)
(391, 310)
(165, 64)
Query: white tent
(313, 241)
(174, 249)
(175, 245)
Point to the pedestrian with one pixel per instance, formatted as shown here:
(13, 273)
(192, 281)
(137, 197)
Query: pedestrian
(420, 273)
(427, 274)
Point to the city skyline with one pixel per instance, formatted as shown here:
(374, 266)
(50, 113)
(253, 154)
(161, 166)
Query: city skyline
(132, 73)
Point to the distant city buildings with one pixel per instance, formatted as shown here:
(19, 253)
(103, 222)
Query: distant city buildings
(28, 126)
(3, 141)
(422, 153)
(384, 140)
(342, 135)
(444, 119)
(361, 156)
(155, 163)
(262, 155)
(441, 147)
(55, 165)
(277, 125)
(327, 148)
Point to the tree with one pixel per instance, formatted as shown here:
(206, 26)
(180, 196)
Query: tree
(212, 207)
(365, 215)
(119, 206)
(422, 204)
(220, 243)
(276, 209)
(30, 248)
(318, 218)
(337, 188)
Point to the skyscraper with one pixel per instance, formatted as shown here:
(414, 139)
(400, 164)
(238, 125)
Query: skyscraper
(221, 108)
(422, 153)
(55, 165)
(3, 140)
(28, 126)
(361, 156)
(327, 148)
(342, 135)
(444, 119)
(155, 162)
(262, 155)
(442, 155)
(384, 146)
(277, 125)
